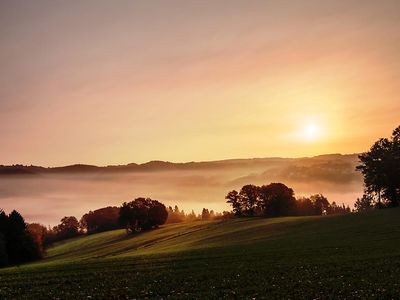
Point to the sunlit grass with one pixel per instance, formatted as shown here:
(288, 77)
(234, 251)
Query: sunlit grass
(306, 257)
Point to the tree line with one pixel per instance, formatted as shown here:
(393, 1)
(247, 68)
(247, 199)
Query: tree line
(139, 214)
(276, 199)
(175, 215)
(22, 242)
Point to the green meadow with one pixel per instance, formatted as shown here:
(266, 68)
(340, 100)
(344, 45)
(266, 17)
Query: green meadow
(324, 257)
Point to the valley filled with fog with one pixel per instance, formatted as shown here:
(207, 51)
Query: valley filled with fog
(48, 196)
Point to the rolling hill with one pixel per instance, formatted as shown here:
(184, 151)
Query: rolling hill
(349, 256)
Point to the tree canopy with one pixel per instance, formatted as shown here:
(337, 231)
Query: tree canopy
(68, 228)
(380, 167)
(142, 213)
(99, 220)
(276, 199)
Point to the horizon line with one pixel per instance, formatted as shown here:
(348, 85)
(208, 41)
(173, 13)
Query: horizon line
(175, 162)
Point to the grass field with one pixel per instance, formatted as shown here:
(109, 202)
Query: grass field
(350, 256)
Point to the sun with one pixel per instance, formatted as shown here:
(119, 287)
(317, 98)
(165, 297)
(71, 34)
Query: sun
(311, 132)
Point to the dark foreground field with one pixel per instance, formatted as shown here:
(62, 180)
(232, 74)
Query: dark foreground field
(351, 256)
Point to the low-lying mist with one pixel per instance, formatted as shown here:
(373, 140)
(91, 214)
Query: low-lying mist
(47, 197)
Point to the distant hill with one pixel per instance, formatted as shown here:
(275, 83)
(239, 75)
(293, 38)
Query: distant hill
(165, 165)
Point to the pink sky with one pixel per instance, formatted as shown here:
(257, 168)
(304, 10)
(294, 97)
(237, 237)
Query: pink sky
(108, 82)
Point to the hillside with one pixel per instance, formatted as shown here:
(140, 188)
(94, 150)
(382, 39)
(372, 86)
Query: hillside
(307, 257)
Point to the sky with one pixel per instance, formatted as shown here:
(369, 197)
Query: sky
(113, 82)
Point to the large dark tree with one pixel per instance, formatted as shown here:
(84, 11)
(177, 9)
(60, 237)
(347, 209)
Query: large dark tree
(3, 222)
(142, 213)
(158, 214)
(249, 197)
(364, 203)
(277, 200)
(19, 243)
(102, 219)
(380, 167)
(15, 233)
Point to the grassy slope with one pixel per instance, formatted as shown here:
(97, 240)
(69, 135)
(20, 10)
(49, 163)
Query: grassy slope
(353, 256)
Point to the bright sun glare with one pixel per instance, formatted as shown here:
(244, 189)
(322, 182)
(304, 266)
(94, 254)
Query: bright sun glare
(311, 132)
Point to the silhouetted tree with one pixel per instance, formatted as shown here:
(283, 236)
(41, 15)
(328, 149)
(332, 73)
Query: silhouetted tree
(304, 207)
(364, 203)
(50, 237)
(233, 199)
(142, 213)
(334, 209)
(380, 167)
(38, 233)
(100, 220)
(68, 228)
(249, 198)
(15, 231)
(277, 200)
(157, 214)
(3, 222)
(20, 245)
(320, 203)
